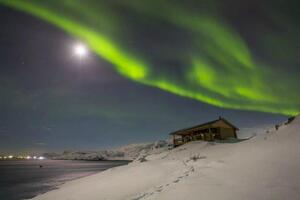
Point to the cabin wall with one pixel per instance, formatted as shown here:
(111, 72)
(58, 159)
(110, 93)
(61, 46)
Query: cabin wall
(221, 124)
(227, 133)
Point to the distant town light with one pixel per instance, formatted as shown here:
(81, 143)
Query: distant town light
(41, 158)
(28, 157)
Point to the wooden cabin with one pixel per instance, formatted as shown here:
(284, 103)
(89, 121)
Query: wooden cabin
(219, 129)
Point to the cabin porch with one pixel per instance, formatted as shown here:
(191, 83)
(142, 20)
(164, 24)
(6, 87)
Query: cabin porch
(207, 134)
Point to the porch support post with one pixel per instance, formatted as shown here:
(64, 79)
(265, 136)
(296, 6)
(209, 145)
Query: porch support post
(174, 140)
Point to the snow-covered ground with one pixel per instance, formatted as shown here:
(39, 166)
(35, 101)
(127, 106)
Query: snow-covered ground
(266, 167)
(248, 132)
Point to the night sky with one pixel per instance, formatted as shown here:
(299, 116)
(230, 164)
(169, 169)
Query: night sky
(152, 67)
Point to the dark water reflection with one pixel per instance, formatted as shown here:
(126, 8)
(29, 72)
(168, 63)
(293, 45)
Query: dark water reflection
(26, 179)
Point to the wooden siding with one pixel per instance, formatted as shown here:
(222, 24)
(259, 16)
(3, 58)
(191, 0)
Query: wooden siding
(221, 124)
(227, 133)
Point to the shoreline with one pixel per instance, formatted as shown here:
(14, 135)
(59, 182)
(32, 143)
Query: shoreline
(56, 187)
(94, 160)
(25, 179)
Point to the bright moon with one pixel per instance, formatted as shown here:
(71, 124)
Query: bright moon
(80, 50)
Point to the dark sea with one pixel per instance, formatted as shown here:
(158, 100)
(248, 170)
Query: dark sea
(26, 179)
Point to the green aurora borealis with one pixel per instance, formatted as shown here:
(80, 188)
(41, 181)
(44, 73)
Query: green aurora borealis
(217, 65)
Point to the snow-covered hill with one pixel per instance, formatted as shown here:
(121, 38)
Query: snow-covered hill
(128, 152)
(265, 167)
(245, 133)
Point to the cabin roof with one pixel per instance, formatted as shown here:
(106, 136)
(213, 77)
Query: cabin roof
(204, 124)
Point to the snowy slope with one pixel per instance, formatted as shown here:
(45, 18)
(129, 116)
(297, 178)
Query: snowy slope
(265, 167)
(249, 132)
